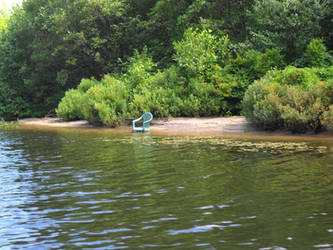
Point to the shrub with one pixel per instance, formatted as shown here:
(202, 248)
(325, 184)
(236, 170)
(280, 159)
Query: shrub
(254, 64)
(271, 59)
(302, 110)
(99, 102)
(209, 97)
(205, 82)
(160, 101)
(328, 118)
(140, 67)
(86, 84)
(70, 106)
(293, 99)
(303, 77)
(159, 94)
(260, 105)
(324, 73)
(203, 99)
(107, 102)
(8, 125)
(316, 54)
(198, 51)
(244, 69)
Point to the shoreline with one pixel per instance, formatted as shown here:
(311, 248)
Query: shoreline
(236, 124)
(232, 127)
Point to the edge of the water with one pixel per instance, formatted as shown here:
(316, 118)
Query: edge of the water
(227, 127)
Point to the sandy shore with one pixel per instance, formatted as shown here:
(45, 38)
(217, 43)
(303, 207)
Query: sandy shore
(236, 124)
(217, 124)
(54, 122)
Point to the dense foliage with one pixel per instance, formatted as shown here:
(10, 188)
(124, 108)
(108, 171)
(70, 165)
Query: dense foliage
(297, 99)
(288, 25)
(197, 58)
(205, 81)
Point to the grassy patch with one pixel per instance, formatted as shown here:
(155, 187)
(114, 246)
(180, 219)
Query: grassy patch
(8, 125)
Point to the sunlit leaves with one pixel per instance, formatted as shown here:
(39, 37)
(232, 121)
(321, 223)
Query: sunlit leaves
(198, 51)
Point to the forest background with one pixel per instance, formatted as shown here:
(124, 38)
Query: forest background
(108, 60)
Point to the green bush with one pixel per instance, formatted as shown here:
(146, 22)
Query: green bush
(159, 94)
(303, 77)
(203, 99)
(302, 110)
(210, 89)
(246, 68)
(70, 107)
(99, 102)
(260, 104)
(209, 97)
(292, 99)
(8, 125)
(198, 51)
(140, 67)
(160, 101)
(203, 83)
(206, 81)
(324, 73)
(328, 118)
(316, 54)
(86, 84)
(254, 64)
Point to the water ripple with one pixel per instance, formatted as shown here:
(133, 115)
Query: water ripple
(76, 190)
(198, 229)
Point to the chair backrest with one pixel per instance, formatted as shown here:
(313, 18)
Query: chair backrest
(147, 117)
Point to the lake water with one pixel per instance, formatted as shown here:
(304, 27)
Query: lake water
(70, 189)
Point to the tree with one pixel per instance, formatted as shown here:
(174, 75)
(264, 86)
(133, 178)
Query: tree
(286, 24)
(3, 19)
(326, 26)
(50, 46)
(228, 16)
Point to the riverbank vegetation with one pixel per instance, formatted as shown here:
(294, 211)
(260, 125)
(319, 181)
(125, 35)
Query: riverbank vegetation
(109, 60)
(296, 99)
(8, 125)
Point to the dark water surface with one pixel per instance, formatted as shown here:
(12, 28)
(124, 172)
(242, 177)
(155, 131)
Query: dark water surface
(74, 190)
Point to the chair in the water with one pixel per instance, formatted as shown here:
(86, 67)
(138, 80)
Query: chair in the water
(146, 117)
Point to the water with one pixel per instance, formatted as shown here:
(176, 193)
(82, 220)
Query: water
(75, 189)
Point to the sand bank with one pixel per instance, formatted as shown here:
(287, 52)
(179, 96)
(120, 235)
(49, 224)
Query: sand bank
(217, 126)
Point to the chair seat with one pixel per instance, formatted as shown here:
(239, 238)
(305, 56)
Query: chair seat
(138, 129)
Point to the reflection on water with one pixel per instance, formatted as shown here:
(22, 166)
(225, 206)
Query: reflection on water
(81, 190)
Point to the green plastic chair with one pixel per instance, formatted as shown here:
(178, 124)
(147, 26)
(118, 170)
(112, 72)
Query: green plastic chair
(146, 117)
